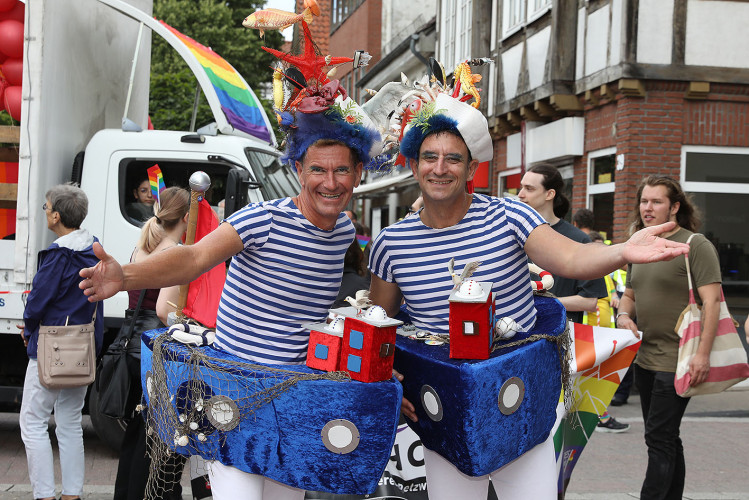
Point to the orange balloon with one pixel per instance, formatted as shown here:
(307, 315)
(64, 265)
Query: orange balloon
(12, 69)
(12, 100)
(11, 38)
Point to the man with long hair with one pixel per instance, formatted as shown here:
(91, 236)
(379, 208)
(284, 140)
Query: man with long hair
(655, 296)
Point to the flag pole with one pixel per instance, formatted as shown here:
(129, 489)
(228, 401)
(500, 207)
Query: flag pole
(199, 184)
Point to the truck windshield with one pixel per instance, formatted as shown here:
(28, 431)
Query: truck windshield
(278, 180)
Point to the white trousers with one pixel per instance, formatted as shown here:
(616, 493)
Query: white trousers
(230, 483)
(533, 475)
(36, 408)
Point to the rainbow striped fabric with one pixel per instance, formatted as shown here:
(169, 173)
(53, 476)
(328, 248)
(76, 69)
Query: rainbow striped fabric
(600, 359)
(156, 180)
(238, 103)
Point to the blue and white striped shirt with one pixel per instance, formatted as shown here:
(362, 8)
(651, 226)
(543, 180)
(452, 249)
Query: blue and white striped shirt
(287, 275)
(493, 232)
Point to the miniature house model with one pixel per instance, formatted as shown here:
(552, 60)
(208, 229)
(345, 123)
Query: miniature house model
(471, 320)
(362, 345)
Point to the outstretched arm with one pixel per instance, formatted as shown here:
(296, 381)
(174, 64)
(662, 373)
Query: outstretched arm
(563, 257)
(176, 266)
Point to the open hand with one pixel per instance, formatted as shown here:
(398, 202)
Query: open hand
(645, 246)
(103, 280)
(22, 327)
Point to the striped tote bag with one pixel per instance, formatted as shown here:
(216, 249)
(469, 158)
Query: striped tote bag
(728, 359)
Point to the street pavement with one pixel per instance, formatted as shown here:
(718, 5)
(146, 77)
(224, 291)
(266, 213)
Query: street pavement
(715, 432)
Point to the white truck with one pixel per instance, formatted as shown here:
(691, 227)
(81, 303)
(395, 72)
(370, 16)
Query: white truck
(84, 119)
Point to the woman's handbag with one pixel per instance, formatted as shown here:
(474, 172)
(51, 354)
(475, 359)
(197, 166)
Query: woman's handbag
(66, 356)
(113, 378)
(728, 360)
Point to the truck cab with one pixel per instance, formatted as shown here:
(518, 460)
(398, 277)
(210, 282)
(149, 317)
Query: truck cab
(241, 170)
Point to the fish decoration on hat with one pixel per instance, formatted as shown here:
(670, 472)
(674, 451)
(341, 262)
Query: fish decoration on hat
(276, 19)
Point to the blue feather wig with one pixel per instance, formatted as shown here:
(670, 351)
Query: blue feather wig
(304, 129)
(411, 143)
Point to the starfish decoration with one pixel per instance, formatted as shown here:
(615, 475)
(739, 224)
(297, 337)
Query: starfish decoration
(310, 63)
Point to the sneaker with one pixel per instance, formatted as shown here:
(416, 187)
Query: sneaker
(611, 425)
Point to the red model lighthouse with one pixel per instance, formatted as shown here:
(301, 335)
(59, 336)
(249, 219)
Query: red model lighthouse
(471, 318)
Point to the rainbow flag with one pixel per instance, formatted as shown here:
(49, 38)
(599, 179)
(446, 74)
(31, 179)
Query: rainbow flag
(600, 359)
(240, 106)
(156, 180)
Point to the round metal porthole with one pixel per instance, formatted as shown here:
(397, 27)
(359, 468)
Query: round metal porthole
(340, 436)
(149, 384)
(511, 395)
(223, 413)
(431, 403)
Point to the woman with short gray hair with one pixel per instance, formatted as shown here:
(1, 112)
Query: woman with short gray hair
(55, 299)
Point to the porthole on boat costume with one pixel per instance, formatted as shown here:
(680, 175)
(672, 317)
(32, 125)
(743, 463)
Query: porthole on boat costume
(340, 436)
(431, 403)
(511, 395)
(223, 413)
(149, 384)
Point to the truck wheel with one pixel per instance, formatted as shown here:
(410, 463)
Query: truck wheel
(111, 431)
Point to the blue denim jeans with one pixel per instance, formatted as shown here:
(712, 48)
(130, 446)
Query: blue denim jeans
(36, 408)
(662, 411)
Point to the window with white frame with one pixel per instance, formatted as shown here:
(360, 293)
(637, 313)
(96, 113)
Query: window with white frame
(516, 13)
(601, 185)
(509, 183)
(455, 32)
(717, 179)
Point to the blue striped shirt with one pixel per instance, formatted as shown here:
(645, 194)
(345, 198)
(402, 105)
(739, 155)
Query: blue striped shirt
(287, 275)
(493, 232)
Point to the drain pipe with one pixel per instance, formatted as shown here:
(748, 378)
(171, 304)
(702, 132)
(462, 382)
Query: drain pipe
(414, 39)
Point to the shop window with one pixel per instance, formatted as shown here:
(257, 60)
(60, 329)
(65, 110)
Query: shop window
(509, 183)
(717, 179)
(601, 185)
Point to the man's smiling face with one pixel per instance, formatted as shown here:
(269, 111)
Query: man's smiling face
(443, 168)
(328, 176)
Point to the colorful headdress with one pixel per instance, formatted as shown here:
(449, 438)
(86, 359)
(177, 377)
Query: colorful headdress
(433, 106)
(310, 106)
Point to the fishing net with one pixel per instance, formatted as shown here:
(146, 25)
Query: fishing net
(186, 417)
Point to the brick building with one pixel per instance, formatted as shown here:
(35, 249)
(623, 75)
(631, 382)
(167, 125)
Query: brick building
(610, 91)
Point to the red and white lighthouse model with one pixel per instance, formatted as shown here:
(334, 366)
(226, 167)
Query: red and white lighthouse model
(471, 320)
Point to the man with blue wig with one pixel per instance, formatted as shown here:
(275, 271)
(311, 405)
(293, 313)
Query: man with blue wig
(444, 139)
(288, 251)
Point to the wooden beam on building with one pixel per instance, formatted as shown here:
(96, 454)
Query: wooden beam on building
(565, 102)
(503, 126)
(10, 134)
(514, 118)
(632, 87)
(608, 91)
(544, 109)
(529, 114)
(591, 97)
(698, 90)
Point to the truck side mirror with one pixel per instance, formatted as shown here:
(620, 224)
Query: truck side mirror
(236, 190)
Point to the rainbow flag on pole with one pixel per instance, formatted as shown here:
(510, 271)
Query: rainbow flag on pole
(156, 180)
(242, 109)
(600, 359)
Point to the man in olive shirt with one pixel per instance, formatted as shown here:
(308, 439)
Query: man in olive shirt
(656, 294)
